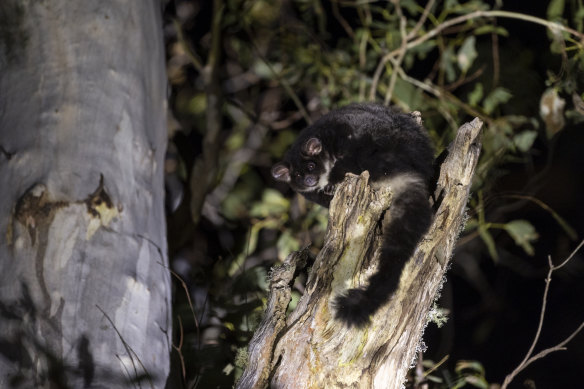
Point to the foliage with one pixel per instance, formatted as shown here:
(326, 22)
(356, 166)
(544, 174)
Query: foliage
(466, 374)
(282, 64)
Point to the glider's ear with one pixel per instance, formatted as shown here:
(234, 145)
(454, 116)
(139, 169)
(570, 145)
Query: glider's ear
(312, 147)
(281, 172)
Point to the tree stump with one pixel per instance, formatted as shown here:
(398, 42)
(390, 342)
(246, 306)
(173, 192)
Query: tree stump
(309, 349)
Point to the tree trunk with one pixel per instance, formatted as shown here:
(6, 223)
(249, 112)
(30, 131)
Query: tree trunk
(309, 349)
(84, 282)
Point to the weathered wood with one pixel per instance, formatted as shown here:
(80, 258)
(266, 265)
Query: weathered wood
(261, 346)
(313, 350)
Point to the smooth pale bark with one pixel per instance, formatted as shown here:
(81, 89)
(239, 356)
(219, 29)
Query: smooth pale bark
(308, 348)
(84, 282)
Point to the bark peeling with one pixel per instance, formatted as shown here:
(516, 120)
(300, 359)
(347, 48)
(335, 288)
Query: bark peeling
(100, 208)
(35, 211)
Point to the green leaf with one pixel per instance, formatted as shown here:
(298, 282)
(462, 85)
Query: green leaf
(286, 244)
(476, 95)
(497, 96)
(412, 6)
(523, 233)
(487, 29)
(446, 64)
(578, 18)
(477, 381)
(555, 9)
(197, 104)
(406, 95)
(489, 242)
(280, 144)
(256, 277)
(422, 50)
(273, 203)
(467, 54)
(471, 372)
(265, 71)
(524, 140)
(474, 366)
(236, 203)
(235, 141)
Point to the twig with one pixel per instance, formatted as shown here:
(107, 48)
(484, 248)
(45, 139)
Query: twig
(419, 382)
(179, 349)
(363, 63)
(204, 172)
(422, 19)
(496, 60)
(190, 53)
(128, 374)
(441, 94)
(131, 353)
(402, 51)
(569, 258)
(232, 172)
(553, 26)
(281, 80)
(465, 80)
(342, 21)
(561, 222)
(191, 306)
(436, 366)
(528, 359)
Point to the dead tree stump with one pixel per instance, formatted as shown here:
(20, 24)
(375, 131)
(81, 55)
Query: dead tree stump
(308, 348)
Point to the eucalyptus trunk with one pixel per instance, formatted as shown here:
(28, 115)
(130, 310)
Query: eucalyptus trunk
(84, 280)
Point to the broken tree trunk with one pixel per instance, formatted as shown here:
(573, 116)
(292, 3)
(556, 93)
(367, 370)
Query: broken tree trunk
(309, 349)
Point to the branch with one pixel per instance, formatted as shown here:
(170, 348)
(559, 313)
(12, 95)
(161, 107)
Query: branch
(552, 26)
(422, 19)
(261, 346)
(528, 359)
(205, 167)
(402, 51)
(442, 94)
(180, 36)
